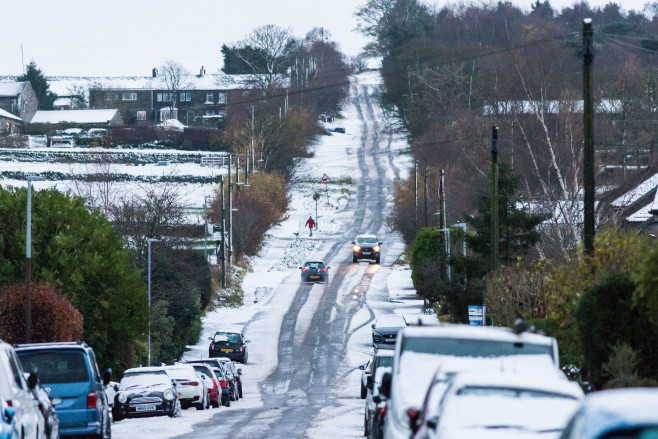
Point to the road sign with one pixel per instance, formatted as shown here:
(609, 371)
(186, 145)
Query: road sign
(325, 179)
(477, 315)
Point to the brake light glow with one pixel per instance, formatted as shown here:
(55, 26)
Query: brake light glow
(222, 384)
(324, 270)
(241, 349)
(190, 383)
(304, 270)
(92, 400)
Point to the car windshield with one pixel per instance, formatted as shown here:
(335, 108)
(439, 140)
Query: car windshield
(459, 347)
(508, 392)
(144, 380)
(226, 336)
(385, 361)
(201, 369)
(180, 374)
(316, 265)
(366, 239)
(56, 366)
(218, 374)
(391, 321)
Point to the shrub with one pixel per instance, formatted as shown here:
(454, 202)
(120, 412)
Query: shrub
(53, 316)
(425, 259)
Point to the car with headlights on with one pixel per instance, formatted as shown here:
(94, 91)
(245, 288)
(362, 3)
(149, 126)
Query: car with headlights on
(366, 247)
(192, 390)
(385, 330)
(314, 271)
(229, 344)
(143, 393)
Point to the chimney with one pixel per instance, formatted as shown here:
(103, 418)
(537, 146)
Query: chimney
(155, 72)
(202, 72)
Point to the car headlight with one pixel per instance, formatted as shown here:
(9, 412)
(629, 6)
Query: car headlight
(376, 248)
(376, 335)
(356, 248)
(168, 395)
(122, 397)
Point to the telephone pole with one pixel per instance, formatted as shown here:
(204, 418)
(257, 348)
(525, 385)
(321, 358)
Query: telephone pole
(222, 248)
(588, 149)
(230, 210)
(425, 196)
(494, 197)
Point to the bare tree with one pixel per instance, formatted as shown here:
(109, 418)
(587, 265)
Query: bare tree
(269, 56)
(175, 78)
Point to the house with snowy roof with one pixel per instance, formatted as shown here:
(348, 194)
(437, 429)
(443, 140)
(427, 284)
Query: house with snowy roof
(10, 123)
(639, 206)
(19, 99)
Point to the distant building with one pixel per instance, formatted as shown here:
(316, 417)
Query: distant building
(10, 123)
(19, 99)
(88, 118)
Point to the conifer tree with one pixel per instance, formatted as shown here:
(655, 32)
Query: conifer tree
(40, 85)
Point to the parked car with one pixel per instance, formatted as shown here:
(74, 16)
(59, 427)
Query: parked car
(20, 411)
(237, 375)
(192, 390)
(616, 414)
(214, 390)
(375, 407)
(225, 396)
(51, 421)
(141, 394)
(419, 350)
(314, 271)
(385, 330)
(70, 376)
(232, 345)
(366, 247)
(381, 358)
(8, 425)
(230, 390)
(500, 404)
(110, 392)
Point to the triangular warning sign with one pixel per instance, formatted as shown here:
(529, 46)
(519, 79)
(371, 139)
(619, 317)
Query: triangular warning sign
(325, 179)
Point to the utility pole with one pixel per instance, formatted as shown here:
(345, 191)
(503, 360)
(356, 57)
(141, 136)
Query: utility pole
(588, 123)
(230, 210)
(222, 248)
(494, 198)
(237, 174)
(425, 196)
(416, 193)
(442, 227)
(252, 136)
(205, 230)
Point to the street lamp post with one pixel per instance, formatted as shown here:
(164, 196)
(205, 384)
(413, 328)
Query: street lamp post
(149, 241)
(28, 259)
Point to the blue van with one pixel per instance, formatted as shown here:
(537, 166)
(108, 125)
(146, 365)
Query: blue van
(69, 374)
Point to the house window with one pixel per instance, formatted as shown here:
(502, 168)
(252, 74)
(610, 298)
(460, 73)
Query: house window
(111, 96)
(141, 115)
(209, 113)
(168, 113)
(221, 98)
(209, 98)
(185, 96)
(164, 97)
(129, 96)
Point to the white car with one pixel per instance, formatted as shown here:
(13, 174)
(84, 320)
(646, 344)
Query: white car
(14, 389)
(497, 405)
(419, 351)
(192, 390)
(619, 413)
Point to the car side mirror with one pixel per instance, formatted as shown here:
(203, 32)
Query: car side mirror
(107, 377)
(372, 326)
(328, 268)
(116, 387)
(385, 388)
(413, 414)
(432, 423)
(362, 367)
(33, 379)
(381, 243)
(354, 242)
(210, 338)
(239, 371)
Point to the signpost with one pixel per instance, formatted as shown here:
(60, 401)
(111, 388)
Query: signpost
(477, 315)
(316, 197)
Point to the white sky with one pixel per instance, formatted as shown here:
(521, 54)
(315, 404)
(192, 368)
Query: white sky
(129, 37)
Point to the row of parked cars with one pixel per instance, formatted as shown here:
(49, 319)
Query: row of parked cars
(53, 389)
(460, 381)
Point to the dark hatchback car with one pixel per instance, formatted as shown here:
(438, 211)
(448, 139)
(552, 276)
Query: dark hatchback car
(69, 374)
(232, 345)
(366, 247)
(237, 373)
(142, 394)
(314, 271)
(385, 330)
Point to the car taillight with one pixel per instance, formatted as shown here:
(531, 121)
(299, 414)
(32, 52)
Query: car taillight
(9, 403)
(366, 372)
(324, 270)
(92, 399)
(382, 410)
(241, 349)
(304, 270)
(222, 384)
(190, 383)
(212, 347)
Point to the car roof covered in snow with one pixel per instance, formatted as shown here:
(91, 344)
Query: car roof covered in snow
(476, 332)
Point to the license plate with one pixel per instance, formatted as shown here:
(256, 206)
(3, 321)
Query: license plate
(145, 408)
(366, 253)
(226, 350)
(315, 277)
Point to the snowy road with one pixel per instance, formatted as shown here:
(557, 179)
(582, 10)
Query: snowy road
(308, 340)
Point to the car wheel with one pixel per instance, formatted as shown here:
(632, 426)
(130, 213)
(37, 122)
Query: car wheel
(377, 260)
(244, 359)
(201, 405)
(240, 390)
(232, 397)
(354, 259)
(364, 391)
(228, 402)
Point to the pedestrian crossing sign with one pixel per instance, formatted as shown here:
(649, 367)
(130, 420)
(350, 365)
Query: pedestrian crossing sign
(325, 179)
